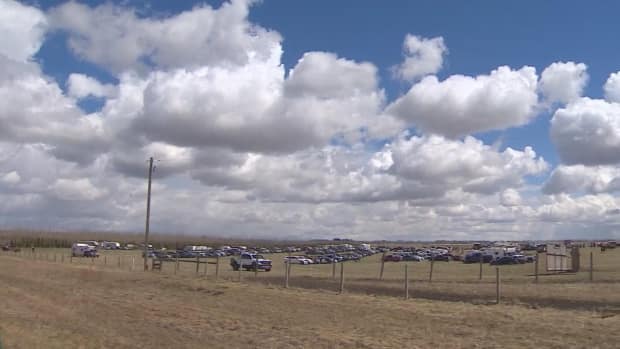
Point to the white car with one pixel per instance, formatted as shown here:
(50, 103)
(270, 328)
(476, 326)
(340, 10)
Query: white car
(298, 260)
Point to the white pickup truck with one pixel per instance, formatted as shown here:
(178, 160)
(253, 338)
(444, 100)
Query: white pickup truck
(250, 261)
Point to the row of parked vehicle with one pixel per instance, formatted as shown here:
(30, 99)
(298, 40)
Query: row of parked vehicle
(513, 258)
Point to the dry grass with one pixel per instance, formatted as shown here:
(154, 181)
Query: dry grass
(453, 281)
(51, 305)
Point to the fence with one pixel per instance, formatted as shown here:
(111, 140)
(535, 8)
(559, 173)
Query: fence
(432, 280)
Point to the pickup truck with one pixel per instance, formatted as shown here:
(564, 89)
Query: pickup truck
(250, 261)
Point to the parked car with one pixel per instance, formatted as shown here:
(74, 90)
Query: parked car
(250, 261)
(505, 260)
(440, 257)
(298, 260)
(475, 258)
(519, 258)
(412, 257)
(393, 258)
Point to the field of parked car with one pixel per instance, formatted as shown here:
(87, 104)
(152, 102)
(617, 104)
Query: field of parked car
(114, 307)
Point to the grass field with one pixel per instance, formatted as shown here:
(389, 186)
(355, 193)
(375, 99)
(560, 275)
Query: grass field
(452, 281)
(54, 305)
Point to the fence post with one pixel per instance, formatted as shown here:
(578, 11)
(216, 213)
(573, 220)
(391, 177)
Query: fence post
(481, 262)
(176, 264)
(430, 274)
(256, 271)
(536, 268)
(287, 270)
(217, 267)
(240, 269)
(197, 264)
(341, 290)
(133, 262)
(497, 285)
(206, 264)
(333, 268)
(382, 266)
(105, 260)
(406, 283)
(591, 266)
(71, 258)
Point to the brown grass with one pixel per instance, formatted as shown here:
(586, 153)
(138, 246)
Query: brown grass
(53, 305)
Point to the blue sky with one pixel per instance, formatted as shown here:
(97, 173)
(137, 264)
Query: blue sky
(480, 35)
(247, 146)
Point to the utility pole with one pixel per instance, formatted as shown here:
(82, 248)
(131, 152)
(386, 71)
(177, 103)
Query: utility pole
(148, 216)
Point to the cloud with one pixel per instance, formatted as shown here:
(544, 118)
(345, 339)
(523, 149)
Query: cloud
(411, 168)
(422, 57)
(462, 105)
(510, 197)
(76, 189)
(82, 86)
(580, 179)
(563, 82)
(612, 88)
(117, 39)
(587, 132)
(10, 178)
(23, 28)
(33, 109)
(248, 148)
(254, 108)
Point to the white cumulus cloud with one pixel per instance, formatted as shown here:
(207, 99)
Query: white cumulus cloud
(422, 57)
(563, 82)
(587, 132)
(23, 28)
(462, 105)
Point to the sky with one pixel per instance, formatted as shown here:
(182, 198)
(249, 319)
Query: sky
(407, 120)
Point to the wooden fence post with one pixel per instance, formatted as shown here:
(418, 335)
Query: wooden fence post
(536, 268)
(240, 269)
(341, 289)
(287, 270)
(206, 264)
(71, 258)
(591, 266)
(256, 271)
(382, 266)
(176, 264)
(197, 264)
(217, 267)
(406, 283)
(497, 285)
(133, 262)
(333, 268)
(481, 262)
(430, 274)
(105, 260)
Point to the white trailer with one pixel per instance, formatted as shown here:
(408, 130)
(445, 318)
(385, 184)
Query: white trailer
(79, 249)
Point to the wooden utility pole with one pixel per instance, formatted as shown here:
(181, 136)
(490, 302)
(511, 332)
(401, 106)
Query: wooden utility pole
(148, 216)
